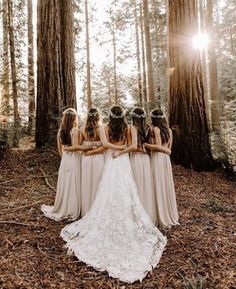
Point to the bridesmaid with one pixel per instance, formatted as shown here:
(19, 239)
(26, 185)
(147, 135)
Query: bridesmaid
(67, 202)
(167, 213)
(140, 162)
(92, 161)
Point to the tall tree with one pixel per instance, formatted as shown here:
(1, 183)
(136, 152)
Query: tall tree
(5, 73)
(191, 146)
(16, 136)
(214, 107)
(138, 52)
(88, 78)
(114, 63)
(55, 67)
(31, 90)
(151, 88)
(144, 78)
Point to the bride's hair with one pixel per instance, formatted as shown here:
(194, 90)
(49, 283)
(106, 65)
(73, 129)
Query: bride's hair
(92, 122)
(139, 121)
(117, 127)
(160, 121)
(68, 118)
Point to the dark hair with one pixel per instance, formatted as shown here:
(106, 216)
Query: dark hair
(68, 119)
(139, 121)
(92, 123)
(117, 127)
(159, 120)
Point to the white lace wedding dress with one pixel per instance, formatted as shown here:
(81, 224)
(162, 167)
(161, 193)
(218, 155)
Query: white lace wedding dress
(116, 235)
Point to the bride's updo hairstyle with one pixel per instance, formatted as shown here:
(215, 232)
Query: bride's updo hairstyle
(68, 118)
(139, 121)
(159, 120)
(92, 123)
(117, 127)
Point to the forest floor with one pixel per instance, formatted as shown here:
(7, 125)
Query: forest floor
(200, 252)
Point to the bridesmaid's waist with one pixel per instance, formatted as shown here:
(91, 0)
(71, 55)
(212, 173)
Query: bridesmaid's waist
(92, 143)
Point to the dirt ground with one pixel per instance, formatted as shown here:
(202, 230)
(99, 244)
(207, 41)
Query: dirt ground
(200, 253)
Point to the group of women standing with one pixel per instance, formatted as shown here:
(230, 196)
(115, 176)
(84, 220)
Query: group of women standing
(118, 178)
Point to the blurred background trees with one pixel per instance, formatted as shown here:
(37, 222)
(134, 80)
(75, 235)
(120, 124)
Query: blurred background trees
(131, 52)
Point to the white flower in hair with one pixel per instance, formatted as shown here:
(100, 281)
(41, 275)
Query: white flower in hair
(93, 113)
(139, 115)
(117, 116)
(157, 116)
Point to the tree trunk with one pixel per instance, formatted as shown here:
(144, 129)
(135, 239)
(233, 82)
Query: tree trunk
(191, 146)
(16, 135)
(88, 79)
(151, 88)
(114, 65)
(55, 68)
(31, 90)
(138, 54)
(144, 82)
(5, 71)
(202, 29)
(214, 109)
(67, 47)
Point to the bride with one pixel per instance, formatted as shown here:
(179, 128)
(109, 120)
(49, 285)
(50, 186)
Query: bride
(116, 235)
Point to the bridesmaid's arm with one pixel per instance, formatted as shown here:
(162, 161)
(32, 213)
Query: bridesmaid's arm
(131, 140)
(99, 150)
(106, 144)
(76, 142)
(157, 146)
(59, 145)
(171, 140)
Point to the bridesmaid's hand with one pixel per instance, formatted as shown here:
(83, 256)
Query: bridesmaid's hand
(115, 155)
(168, 152)
(87, 153)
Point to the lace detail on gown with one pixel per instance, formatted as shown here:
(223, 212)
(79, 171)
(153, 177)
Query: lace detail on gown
(116, 235)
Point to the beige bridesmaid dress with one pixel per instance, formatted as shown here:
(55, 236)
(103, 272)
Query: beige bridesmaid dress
(68, 200)
(92, 167)
(141, 167)
(167, 213)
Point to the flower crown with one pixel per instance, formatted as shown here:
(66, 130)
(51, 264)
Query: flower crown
(117, 116)
(70, 111)
(157, 116)
(143, 115)
(93, 113)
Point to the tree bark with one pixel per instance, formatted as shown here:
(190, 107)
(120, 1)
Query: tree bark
(5, 72)
(144, 81)
(151, 88)
(138, 53)
(55, 68)
(214, 109)
(16, 136)
(191, 146)
(31, 90)
(88, 79)
(114, 64)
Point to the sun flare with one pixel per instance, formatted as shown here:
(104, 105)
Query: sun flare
(200, 41)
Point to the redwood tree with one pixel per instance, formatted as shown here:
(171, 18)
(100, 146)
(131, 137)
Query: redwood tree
(5, 102)
(55, 67)
(191, 146)
(31, 90)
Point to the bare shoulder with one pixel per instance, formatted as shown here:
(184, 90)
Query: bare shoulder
(132, 128)
(75, 130)
(156, 130)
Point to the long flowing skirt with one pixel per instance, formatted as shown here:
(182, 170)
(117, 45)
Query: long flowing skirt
(92, 167)
(141, 166)
(116, 235)
(167, 213)
(68, 200)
